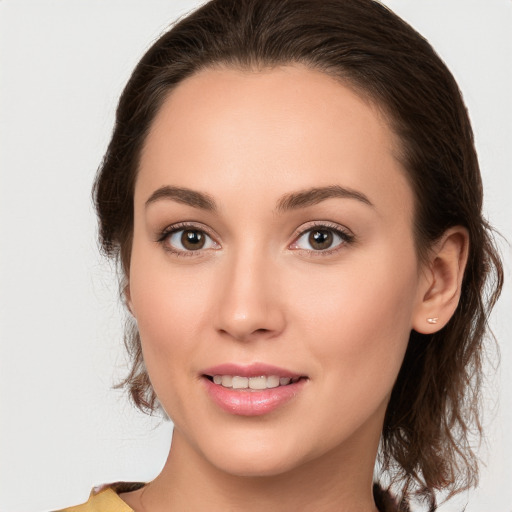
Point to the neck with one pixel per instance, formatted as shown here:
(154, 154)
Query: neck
(338, 481)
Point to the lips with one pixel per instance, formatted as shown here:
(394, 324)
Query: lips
(251, 390)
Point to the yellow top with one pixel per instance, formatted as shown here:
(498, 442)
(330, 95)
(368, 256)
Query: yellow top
(103, 499)
(106, 499)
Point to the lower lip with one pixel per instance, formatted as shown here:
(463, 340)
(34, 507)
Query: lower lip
(246, 402)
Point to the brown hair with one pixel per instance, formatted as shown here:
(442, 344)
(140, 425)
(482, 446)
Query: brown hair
(435, 401)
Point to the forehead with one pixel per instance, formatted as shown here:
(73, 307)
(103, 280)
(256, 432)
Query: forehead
(270, 130)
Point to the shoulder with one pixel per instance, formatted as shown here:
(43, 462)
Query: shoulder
(105, 498)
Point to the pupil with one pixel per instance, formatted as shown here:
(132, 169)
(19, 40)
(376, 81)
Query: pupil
(320, 239)
(193, 240)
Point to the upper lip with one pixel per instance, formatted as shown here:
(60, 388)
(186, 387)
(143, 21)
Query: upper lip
(250, 370)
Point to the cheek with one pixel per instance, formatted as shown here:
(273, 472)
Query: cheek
(360, 319)
(167, 305)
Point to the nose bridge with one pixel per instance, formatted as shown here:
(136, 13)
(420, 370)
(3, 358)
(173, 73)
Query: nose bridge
(248, 304)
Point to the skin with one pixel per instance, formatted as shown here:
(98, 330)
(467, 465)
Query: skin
(260, 292)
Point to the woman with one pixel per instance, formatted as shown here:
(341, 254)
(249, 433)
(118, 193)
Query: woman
(293, 194)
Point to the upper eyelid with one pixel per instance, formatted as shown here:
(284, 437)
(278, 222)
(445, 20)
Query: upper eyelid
(184, 225)
(308, 226)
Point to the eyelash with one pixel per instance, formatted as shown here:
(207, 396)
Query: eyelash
(344, 234)
(346, 237)
(176, 228)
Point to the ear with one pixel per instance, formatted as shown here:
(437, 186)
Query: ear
(441, 283)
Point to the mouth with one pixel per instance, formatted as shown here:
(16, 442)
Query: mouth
(257, 383)
(252, 390)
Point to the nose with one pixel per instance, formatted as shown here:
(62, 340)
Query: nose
(249, 304)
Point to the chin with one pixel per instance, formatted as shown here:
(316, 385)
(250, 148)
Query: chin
(254, 459)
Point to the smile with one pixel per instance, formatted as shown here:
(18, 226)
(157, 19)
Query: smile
(252, 390)
(258, 383)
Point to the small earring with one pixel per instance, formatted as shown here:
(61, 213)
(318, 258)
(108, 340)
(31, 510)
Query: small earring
(432, 320)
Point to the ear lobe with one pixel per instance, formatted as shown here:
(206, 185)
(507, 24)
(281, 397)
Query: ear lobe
(441, 285)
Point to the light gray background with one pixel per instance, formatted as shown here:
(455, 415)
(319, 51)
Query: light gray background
(63, 64)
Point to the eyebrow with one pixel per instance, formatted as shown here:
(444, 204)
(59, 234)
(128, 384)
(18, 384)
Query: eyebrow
(184, 196)
(314, 196)
(292, 201)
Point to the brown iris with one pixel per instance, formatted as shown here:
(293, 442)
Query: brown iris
(320, 239)
(193, 240)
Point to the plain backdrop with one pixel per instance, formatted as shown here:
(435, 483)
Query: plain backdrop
(63, 64)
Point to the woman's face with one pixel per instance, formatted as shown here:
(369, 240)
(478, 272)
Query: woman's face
(272, 247)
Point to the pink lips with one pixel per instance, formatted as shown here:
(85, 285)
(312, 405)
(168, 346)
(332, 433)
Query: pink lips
(247, 402)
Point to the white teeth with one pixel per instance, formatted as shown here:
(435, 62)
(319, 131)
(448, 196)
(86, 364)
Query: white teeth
(227, 381)
(272, 381)
(240, 383)
(257, 383)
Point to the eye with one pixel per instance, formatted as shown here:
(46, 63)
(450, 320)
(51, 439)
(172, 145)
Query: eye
(187, 240)
(322, 238)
